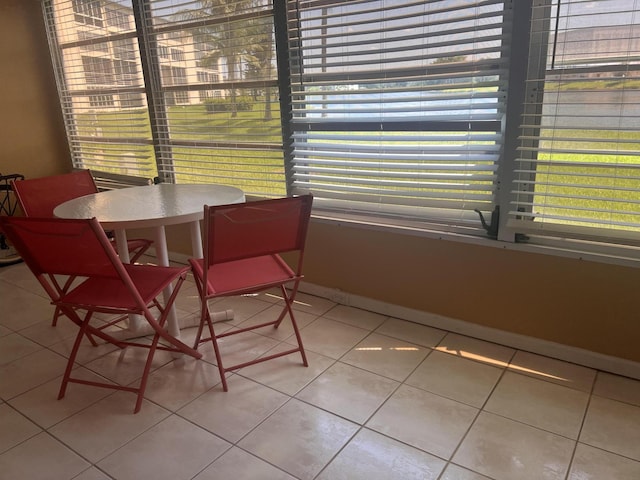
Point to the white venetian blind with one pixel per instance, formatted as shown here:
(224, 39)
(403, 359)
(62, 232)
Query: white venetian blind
(397, 105)
(215, 90)
(101, 86)
(578, 171)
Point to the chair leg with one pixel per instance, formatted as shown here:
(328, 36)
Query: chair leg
(288, 300)
(74, 352)
(216, 348)
(145, 373)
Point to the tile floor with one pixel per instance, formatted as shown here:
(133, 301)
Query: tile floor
(382, 398)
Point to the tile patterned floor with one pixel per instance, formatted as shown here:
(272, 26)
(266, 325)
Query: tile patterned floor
(382, 398)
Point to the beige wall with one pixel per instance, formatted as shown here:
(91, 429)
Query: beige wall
(583, 304)
(31, 128)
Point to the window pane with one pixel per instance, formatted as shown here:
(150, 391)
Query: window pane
(398, 106)
(101, 86)
(579, 164)
(218, 85)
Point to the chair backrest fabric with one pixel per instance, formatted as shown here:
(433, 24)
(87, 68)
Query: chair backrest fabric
(254, 229)
(57, 246)
(38, 197)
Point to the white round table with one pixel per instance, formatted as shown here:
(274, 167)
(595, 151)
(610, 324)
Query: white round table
(151, 206)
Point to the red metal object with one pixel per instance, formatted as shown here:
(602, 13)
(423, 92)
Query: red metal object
(80, 248)
(242, 255)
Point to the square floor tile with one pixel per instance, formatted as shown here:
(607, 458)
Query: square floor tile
(107, 425)
(371, 456)
(92, 474)
(180, 381)
(41, 404)
(125, 366)
(14, 428)
(237, 349)
(613, 426)
(4, 331)
(22, 308)
(20, 276)
(539, 403)
(553, 370)
(331, 338)
(243, 307)
(43, 333)
(311, 304)
(299, 438)
(285, 329)
(233, 414)
(455, 472)
(41, 457)
(456, 378)
(504, 449)
(619, 388)
(477, 350)
(86, 353)
(237, 464)
(14, 346)
(411, 332)
(356, 317)
(349, 392)
(386, 356)
(592, 463)
(30, 371)
(426, 421)
(287, 374)
(174, 449)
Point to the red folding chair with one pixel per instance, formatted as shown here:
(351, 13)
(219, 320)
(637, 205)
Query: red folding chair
(243, 244)
(38, 197)
(80, 248)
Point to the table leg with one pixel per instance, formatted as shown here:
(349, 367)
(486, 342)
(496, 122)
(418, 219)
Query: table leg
(196, 240)
(135, 321)
(162, 255)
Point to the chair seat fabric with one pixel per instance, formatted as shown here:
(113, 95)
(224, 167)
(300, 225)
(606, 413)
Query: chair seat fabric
(246, 274)
(101, 292)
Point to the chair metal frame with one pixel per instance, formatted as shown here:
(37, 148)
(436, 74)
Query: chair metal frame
(242, 248)
(80, 248)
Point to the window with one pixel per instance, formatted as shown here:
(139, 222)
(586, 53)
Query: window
(101, 100)
(117, 18)
(406, 113)
(89, 43)
(101, 86)
(88, 12)
(577, 174)
(177, 55)
(98, 71)
(397, 107)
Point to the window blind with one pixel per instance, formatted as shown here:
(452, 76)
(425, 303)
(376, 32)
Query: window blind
(577, 175)
(183, 90)
(101, 87)
(216, 91)
(397, 106)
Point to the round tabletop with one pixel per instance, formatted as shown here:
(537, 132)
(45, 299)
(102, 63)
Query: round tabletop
(149, 206)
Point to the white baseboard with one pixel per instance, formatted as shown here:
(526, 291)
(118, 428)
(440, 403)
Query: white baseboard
(598, 361)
